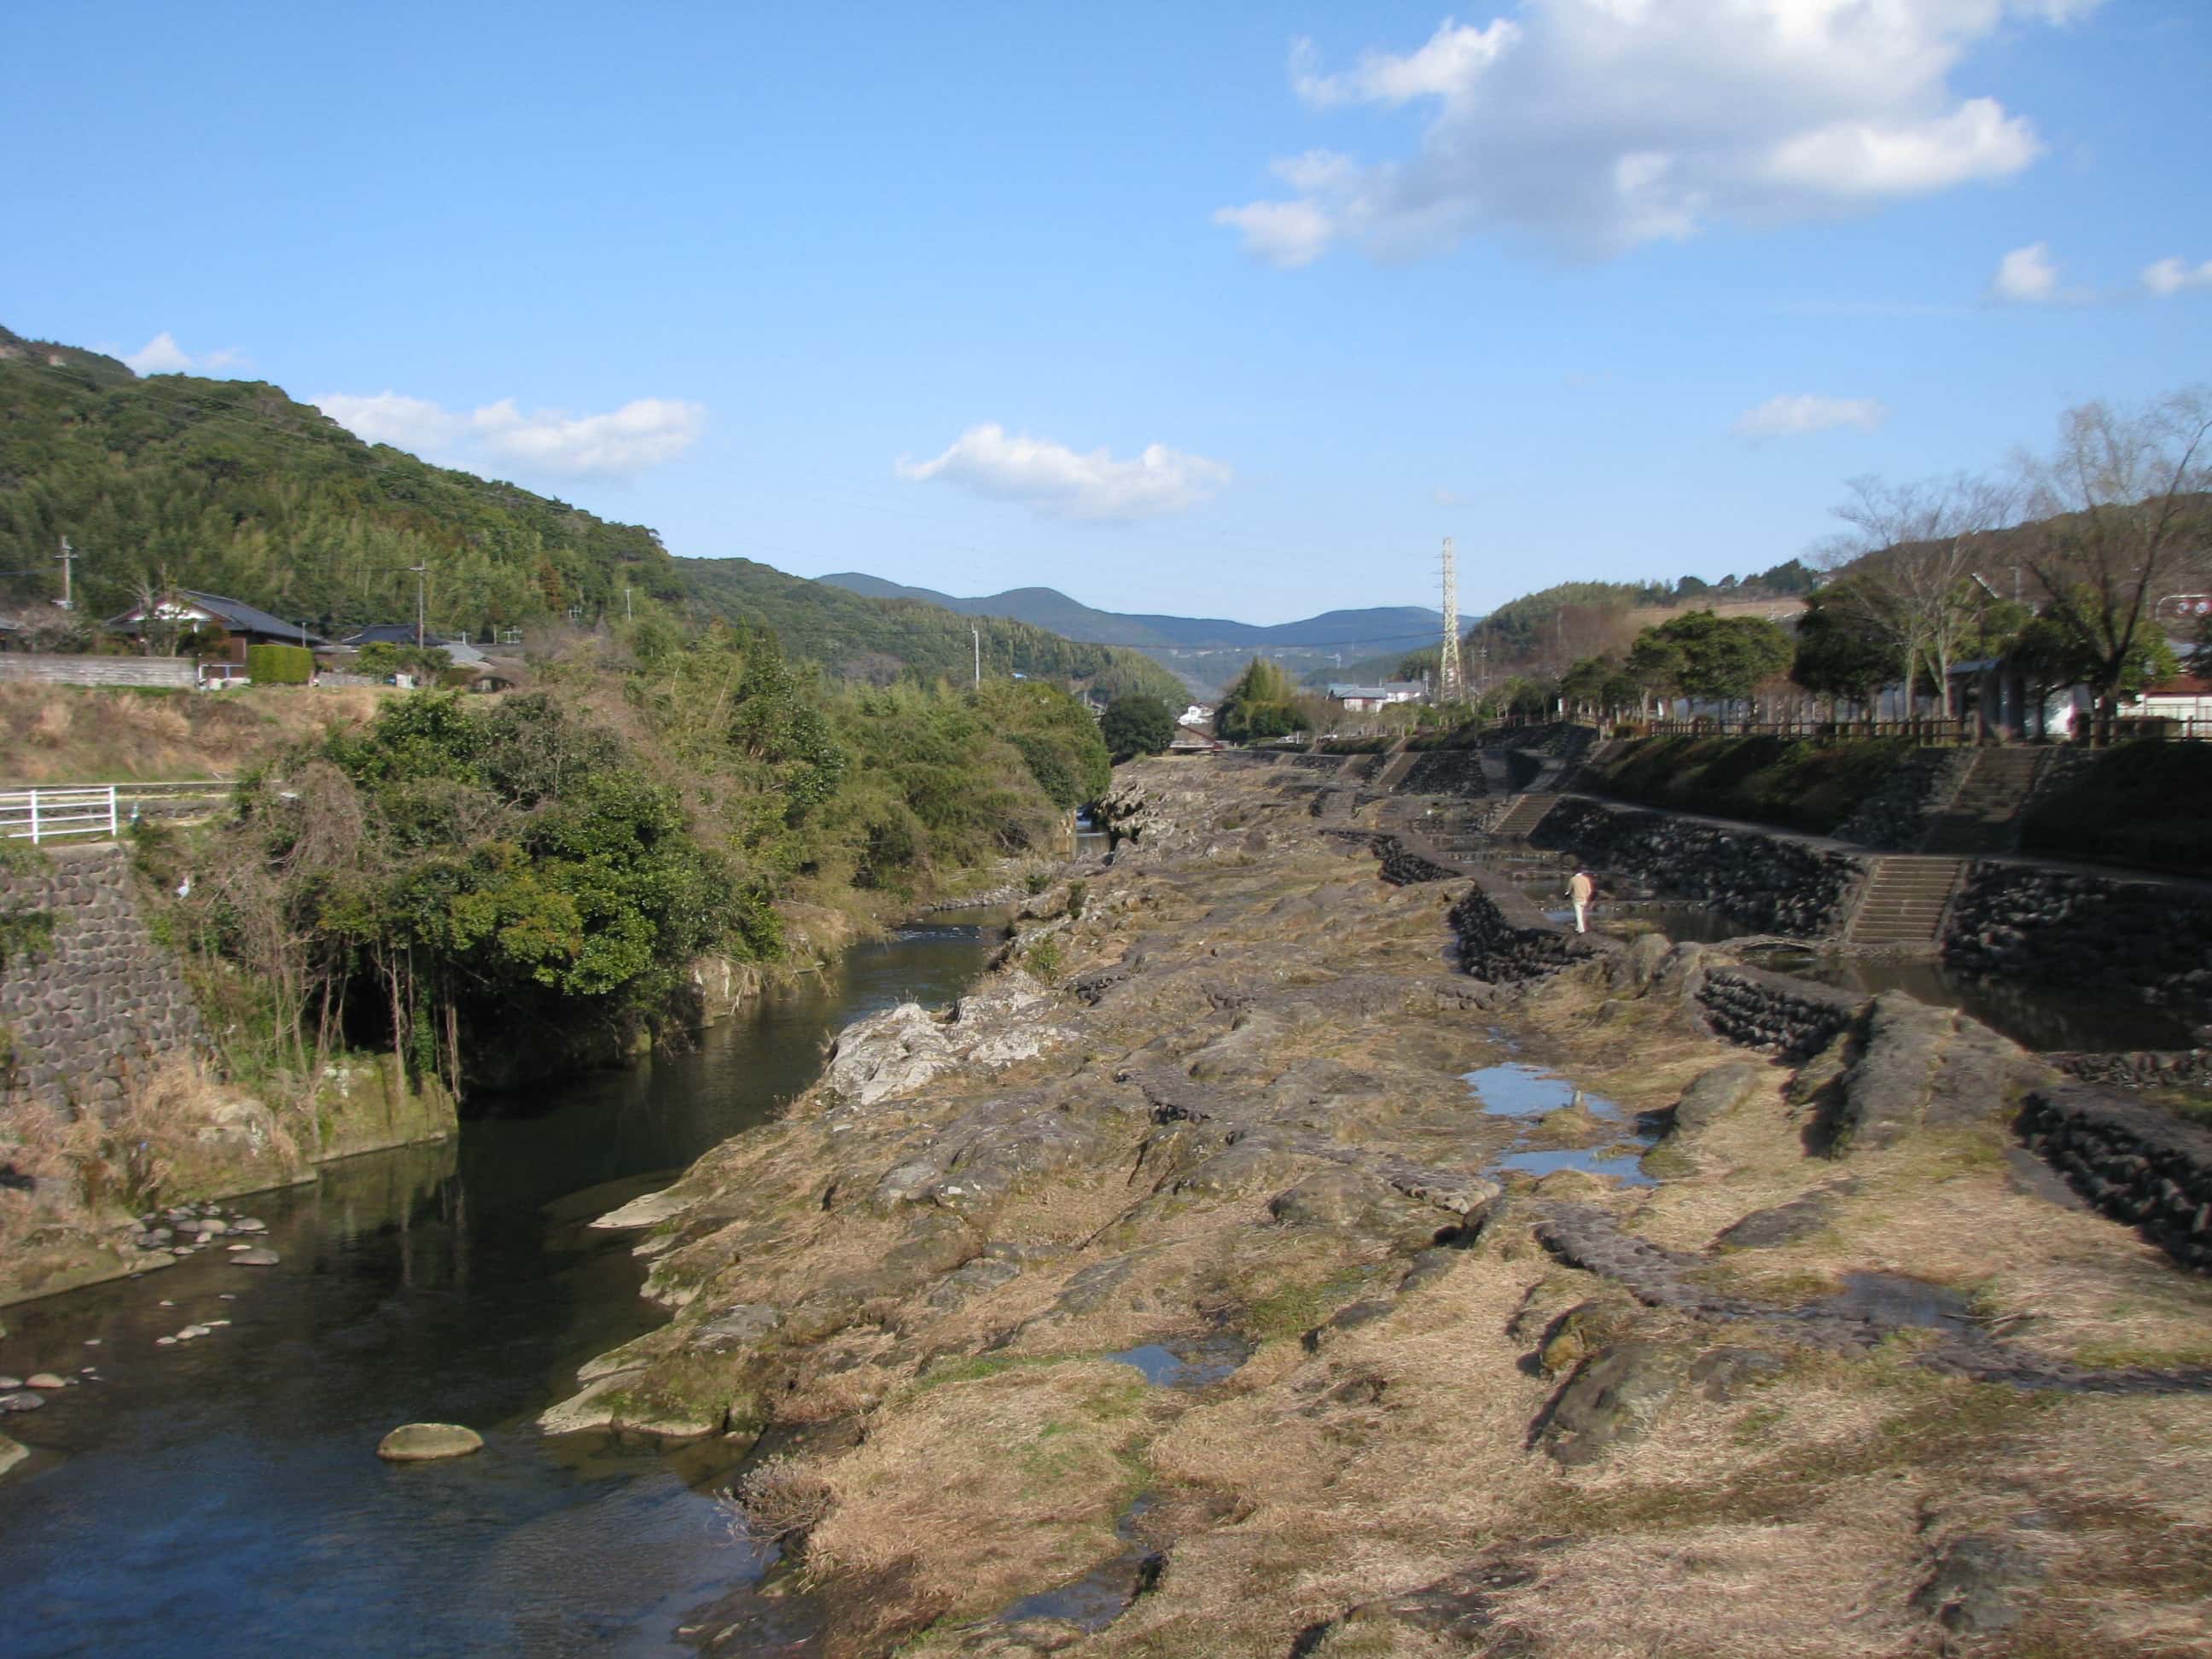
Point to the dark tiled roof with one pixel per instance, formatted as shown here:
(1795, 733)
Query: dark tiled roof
(234, 614)
(395, 634)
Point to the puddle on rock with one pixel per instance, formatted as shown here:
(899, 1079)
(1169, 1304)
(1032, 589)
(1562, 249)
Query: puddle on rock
(1516, 1089)
(1194, 1365)
(1892, 1299)
(1625, 1167)
(1102, 1594)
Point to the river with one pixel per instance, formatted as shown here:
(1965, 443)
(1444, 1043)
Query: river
(224, 1494)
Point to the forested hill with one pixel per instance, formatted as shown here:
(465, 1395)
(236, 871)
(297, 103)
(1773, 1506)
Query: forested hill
(231, 487)
(861, 638)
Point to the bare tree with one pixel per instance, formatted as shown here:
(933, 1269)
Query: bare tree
(1912, 550)
(2123, 522)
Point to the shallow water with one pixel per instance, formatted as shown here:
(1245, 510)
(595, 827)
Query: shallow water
(223, 1495)
(2034, 1016)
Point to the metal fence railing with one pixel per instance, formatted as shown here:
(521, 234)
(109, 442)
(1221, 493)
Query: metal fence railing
(103, 809)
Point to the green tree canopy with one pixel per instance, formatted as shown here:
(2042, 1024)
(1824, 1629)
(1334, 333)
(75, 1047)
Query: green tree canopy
(1135, 725)
(1262, 703)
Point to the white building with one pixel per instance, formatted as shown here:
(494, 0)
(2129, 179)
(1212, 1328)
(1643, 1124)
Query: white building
(1363, 697)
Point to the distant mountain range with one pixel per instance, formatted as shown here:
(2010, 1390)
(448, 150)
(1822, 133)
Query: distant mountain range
(1206, 650)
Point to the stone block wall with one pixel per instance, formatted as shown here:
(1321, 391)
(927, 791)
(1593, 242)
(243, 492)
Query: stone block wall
(2137, 1068)
(1503, 938)
(1895, 818)
(1765, 882)
(2134, 1162)
(1795, 1017)
(176, 673)
(2135, 938)
(100, 1002)
(1447, 772)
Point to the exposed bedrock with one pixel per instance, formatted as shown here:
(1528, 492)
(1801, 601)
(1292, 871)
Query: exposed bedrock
(1192, 1299)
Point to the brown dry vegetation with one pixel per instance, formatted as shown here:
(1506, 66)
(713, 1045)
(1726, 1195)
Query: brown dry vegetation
(1383, 1435)
(64, 734)
(179, 1133)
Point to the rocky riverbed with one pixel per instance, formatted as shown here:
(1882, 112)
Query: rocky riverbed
(1232, 1274)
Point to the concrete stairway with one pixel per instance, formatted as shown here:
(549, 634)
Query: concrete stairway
(1904, 901)
(1983, 816)
(1525, 814)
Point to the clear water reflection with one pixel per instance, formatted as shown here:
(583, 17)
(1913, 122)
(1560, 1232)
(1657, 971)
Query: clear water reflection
(223, 1494)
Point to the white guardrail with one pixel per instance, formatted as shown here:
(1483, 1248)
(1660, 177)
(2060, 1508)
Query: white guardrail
(102, 810)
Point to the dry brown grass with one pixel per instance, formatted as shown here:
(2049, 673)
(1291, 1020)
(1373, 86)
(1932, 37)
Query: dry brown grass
(989, 1486)
(59, 734)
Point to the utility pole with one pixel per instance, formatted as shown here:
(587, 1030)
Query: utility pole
(978, 633)
(421, 575)
(66, 556)
(1448, 686)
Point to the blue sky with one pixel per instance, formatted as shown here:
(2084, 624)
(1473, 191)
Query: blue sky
(1223, 310)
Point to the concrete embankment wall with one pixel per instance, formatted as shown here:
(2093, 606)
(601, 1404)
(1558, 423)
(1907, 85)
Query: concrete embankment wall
(1776, 885)
(99, 1003)
(2143, 939)
(174, 673)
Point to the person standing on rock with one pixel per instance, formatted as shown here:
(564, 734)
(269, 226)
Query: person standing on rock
(1580, 888)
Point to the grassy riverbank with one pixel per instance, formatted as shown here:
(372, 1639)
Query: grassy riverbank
(1795, 783)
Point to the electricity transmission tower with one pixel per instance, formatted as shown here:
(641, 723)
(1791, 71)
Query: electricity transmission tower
(1450, 686)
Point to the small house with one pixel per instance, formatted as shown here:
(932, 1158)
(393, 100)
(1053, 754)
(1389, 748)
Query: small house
(182, 608)
(1360, 698)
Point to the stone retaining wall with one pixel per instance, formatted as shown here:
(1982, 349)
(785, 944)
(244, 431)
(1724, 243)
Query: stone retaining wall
(1503, 938)
(2134, 1162)
(1795, 1017)
(2137, 1068)
(1895, 818)
(100, 1002)
(1775, 885)
(1446, 771)
(176, 673)
(2135, 938)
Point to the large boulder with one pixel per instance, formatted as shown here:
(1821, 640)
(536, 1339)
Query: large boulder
(424, 1443)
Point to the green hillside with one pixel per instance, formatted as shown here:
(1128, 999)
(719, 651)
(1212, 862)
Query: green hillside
(859, 638)
(231, 487)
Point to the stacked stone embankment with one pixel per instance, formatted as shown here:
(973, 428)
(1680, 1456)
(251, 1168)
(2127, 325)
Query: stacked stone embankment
(1503, 938)
(1447, 772)
(1767, 882)
(1896, 817)
(99, 1002)
(1795, 1017)
(2134, 1162)
(2148, 939)
(2138, 1068)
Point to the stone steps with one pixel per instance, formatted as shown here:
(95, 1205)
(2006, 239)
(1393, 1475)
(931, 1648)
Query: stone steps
(1904, 901)
(1521, 819)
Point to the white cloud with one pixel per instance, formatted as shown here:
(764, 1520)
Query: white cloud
(1596, 125)
(1793, 416)
(2169, 277)
(2026, 275)
(162, 356)
(1055, 479)
(646, 432)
